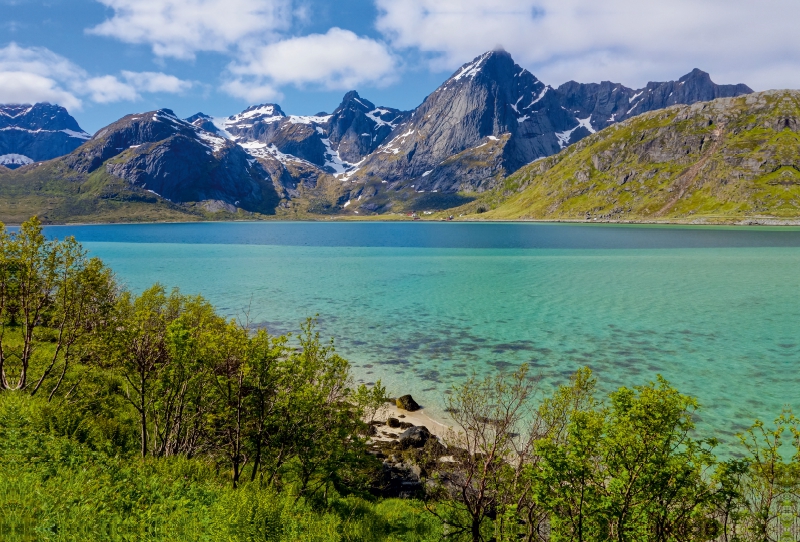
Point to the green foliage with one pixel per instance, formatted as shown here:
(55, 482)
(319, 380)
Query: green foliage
(629, 471)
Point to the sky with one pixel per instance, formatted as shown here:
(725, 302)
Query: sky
(103, 59)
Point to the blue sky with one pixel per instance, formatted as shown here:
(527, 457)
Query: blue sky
(106, 58)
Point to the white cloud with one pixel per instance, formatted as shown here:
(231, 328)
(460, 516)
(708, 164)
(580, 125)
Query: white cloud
(623, 40)
(107, 89)
(336, 60)
(29, 75)
(25, 87)
(252, 91)
(180, 28)
(156, 82)
(38, 75)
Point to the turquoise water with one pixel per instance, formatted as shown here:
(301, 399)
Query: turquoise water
(421, 306)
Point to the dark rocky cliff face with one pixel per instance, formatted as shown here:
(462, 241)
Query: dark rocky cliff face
(176, 160)
(34, 133)
(490, 96)
(444, 144)
(357, 127)
(607, 103)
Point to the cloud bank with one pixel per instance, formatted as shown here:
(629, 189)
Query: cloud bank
(336, 60)
(627, 41)
(181, 28)
(253, 33)
(623, 40)
(36, 74)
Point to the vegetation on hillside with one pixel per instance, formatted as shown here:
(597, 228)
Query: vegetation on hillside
(150, 416)
(732, 159)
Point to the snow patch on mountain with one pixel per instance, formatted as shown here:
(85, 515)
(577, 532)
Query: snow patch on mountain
(375, 116)
(78, 135)
(262, 150)
(630, 100)
(309, 119)
(215, 143)
(472, 69)
(541, 95)
(587, 123)
(264, 113)
(15, 160)
(564, 137)
(222, 128)
(333, 160)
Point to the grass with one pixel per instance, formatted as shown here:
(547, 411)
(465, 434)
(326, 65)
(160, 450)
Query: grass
(61, 486)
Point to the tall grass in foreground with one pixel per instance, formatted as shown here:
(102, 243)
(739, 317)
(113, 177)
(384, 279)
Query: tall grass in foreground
(54, 488)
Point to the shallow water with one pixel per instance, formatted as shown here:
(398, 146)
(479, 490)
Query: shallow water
(422, 305)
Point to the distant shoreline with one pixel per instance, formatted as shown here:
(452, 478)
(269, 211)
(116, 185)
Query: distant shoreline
(750, 222)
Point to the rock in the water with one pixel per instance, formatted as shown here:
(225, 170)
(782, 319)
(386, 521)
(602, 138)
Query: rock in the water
(407, 402)
(414, 437)
(393, 422)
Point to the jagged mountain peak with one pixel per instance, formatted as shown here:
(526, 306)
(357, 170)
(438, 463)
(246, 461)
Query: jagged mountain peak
(33, 133)
(198, 116)
(159, 153)
(496, 64)
(137, 133)
(40, 116)
(353, 101)
(695, 75)
(257, 113)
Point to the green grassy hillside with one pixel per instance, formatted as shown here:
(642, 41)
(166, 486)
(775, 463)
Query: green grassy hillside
(57, 195)
(733, 159)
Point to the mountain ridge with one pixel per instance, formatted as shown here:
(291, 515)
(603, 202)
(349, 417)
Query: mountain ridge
(727, 160)
(485, 122)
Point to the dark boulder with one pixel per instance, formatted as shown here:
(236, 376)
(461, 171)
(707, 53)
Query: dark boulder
(393, 422)
(414, 437)
(406, 402)
(398, 481)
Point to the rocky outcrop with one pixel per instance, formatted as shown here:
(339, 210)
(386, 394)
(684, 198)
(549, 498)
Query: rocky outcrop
(34, 133)
(414, 437)
(608, 103)
(330, 142)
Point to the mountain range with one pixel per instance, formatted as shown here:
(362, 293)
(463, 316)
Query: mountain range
(488, 120)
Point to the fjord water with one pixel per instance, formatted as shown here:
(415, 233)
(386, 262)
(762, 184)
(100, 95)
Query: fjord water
(716, 311)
